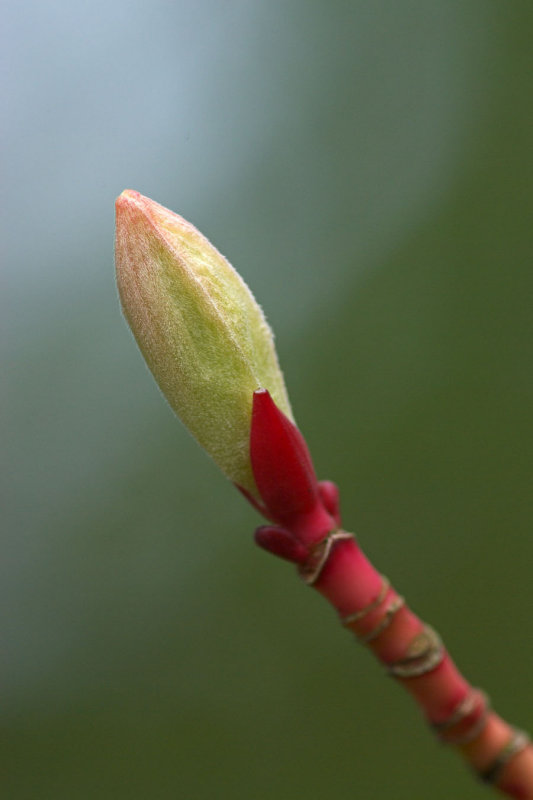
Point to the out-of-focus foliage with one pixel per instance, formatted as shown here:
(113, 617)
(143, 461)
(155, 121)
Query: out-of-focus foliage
(367, 167)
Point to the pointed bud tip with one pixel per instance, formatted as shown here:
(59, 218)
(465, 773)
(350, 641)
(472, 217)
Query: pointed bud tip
(133, 193)
(126, 197)
(132, 214)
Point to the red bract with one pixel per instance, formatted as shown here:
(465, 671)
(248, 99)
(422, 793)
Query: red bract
(281, 542)
(329, 494)
(284, 473)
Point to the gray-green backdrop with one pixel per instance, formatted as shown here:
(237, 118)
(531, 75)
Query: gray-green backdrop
(367, 166)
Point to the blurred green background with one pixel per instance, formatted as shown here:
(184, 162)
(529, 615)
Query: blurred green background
(368, 169)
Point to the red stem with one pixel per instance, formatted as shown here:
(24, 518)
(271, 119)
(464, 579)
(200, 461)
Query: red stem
(459, 713)
(304, 511)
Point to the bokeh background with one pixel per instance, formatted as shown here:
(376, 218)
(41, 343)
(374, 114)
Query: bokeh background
(368, 169)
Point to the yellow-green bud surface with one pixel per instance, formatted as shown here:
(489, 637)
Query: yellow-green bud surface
(199, 328)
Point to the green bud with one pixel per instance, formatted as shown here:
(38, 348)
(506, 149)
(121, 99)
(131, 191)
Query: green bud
(199, 328)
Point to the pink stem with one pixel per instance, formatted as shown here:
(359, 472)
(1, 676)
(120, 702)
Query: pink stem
(304, 510)
(457, 711)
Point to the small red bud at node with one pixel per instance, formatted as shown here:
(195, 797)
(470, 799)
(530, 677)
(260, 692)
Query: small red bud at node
(282, 543)
(330, 496)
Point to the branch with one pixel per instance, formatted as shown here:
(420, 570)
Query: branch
(413, 654)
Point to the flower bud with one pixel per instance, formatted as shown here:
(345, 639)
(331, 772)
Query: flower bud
(199, 328)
